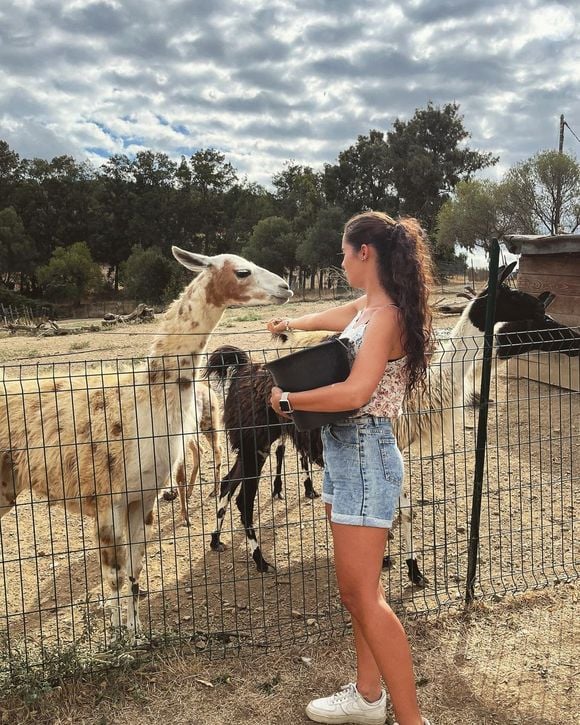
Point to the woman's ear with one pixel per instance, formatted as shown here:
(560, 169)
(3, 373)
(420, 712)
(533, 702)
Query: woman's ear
(364, 250)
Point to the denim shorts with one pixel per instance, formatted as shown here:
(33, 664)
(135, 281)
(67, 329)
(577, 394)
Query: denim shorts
(363, 471)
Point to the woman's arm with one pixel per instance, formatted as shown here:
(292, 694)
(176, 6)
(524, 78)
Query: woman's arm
(381, 339)
(333, 320)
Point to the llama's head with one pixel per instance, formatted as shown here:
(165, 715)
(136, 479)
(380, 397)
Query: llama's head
(233, 280)
(521, 322)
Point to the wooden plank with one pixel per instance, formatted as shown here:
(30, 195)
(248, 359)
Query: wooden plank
(532, 244)
(565, 286)
(550, 368)
(559, 264)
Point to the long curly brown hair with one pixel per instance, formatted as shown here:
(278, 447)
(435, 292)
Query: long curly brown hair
(405, 272)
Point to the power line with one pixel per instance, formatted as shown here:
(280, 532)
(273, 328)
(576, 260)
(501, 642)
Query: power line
(571, 131)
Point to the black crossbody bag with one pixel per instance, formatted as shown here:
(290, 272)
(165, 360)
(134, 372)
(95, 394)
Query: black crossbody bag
(314, 367)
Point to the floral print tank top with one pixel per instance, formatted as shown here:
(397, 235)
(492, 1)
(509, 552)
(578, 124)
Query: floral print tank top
(387, 400)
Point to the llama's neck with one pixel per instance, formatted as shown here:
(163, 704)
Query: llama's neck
(186, 327)
(456, 360)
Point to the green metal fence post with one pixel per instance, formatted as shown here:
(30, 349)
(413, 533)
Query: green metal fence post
(482, 423)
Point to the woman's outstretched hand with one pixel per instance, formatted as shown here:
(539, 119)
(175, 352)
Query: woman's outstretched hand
(278, 324)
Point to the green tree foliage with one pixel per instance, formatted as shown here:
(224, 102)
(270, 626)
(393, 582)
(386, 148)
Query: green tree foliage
(116, 203)
(70, 274)
(16, 248)
(199, 203)
(472, 217)
(244, 205)
(211, 178)
(428, 159)
(147, 274)
(320, 246)
(362, 178)
(525, 201)
(545, 192)
(9, 173)
(272, 245)
(299, 195)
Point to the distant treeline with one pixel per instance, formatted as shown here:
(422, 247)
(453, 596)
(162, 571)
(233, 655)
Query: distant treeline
(59, 217)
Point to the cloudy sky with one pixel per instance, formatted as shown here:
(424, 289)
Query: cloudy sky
(265, 82)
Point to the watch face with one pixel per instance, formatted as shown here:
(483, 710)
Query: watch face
(285, 406)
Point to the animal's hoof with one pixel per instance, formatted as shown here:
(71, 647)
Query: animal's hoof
(170, 495)
(387, 562)
(186, 522)
(415, 574)
(261, 564)
(312, 494)
(278, 496)
(265, 568)
(218, 546)
(143, 593)
(212, 494)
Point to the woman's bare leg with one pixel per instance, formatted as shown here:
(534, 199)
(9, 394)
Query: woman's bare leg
(380, 640)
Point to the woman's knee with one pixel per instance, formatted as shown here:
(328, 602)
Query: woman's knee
(358, 602)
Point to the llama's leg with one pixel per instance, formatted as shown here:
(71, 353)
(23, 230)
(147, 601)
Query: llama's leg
(185, 492)
(111, 528)
(9, 489)
(415, 574)
(140, 520)
(245, 503)
(227, 490)
(213, 438)
(309, 491)
(180, 490)
(277, 487)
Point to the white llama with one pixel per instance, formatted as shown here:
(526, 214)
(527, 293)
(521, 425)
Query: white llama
(102, 445)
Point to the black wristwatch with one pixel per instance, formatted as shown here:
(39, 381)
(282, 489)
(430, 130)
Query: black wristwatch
(285, 406)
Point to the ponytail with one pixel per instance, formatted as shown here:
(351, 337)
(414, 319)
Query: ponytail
(405, 272)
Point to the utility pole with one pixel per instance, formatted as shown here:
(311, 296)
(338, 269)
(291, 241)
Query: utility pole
(558, 204)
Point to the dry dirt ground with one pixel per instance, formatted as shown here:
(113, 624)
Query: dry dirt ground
(512, 660)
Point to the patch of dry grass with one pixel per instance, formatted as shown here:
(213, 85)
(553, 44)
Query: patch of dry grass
(508, 663)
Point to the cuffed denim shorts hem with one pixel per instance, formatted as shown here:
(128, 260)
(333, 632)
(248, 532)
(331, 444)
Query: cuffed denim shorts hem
(360, 521)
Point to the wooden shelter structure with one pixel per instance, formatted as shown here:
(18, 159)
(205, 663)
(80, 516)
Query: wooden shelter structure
(550, 263)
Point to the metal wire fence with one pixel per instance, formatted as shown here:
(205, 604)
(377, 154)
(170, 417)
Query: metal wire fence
(99, 442)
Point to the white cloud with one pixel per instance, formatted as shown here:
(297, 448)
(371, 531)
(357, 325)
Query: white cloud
(271, 81)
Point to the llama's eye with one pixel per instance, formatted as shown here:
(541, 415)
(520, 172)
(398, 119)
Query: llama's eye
(240, 273)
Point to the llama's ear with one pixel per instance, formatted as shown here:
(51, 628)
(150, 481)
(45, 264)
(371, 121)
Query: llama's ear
(505, 272)
(190, 260)
(546, 298)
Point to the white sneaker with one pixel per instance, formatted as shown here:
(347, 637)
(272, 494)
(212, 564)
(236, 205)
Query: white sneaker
(425, 722)
(348, 706)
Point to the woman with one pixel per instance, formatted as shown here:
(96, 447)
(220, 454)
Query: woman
(389, 329)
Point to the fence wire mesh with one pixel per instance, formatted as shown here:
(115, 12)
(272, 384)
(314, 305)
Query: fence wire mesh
(111, 450)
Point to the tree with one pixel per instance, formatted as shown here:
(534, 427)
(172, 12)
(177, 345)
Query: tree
(298, 195)
(362, 177)
(116, 202)
(70, 274)
(147, 274)
(525, 201)
(272, 245)
(9, 173)
(427, 159)
(545, 189)
(211, 177)
(320, 247)
(472, 217)
(321, 244)
(17, 253)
